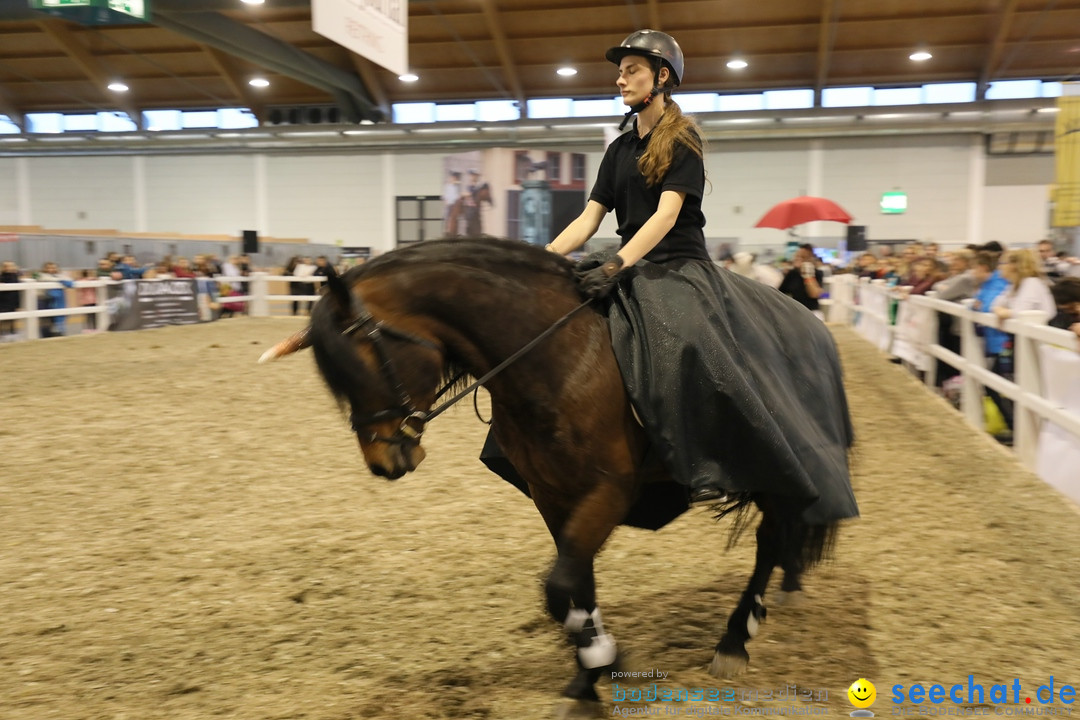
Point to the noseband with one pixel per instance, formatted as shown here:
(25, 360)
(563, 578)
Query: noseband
(406, 409)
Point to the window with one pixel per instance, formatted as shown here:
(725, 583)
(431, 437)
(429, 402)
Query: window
(44, 122)
(554, 167)
(413, 112)
(898, 96)
(419, 218)
(598, 108)
(949, 93)
(115, 122)
(847, 97)
(577, 167)
(155, 120)
(199, 119)
(550, 107)
(788, 99)
(1013, 89)
(8, 127)
(497, 110)
(1051, 89)
(233, 118)
(741, 102)
(697, 102)
(452, 112)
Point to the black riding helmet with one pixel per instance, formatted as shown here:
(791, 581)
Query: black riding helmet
(651, 44)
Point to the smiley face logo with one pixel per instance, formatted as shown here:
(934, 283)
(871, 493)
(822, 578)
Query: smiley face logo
(862, 693)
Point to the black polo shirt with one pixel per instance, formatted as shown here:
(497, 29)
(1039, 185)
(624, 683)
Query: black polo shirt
(794, 286)
(621, 187)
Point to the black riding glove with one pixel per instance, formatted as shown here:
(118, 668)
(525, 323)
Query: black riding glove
(597, 275)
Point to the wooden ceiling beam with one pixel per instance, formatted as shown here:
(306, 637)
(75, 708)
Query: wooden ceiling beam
(370, 77)
(993, 56)
(59, 32)
(491, 16)
(654, 15)
(9, 108)
(239, 87)
(826, 36)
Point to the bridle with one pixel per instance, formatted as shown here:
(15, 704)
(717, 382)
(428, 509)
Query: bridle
(414, 420)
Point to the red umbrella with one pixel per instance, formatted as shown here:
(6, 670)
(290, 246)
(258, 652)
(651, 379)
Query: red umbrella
(797, 211)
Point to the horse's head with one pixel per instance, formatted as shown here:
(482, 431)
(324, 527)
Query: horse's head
(387, 370)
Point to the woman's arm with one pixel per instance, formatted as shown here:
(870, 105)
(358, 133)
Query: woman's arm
(655, 228)
(580, 230)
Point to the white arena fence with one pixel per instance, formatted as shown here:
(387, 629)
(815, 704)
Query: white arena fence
(255, 298)
(1046, 392)
(1046, 366)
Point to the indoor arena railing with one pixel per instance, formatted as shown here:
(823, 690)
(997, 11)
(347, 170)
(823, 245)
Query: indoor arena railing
(1046, 361)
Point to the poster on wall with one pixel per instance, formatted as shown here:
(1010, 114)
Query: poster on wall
(528, 195)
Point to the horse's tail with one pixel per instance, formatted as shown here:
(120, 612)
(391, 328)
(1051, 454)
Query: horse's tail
(807, 544)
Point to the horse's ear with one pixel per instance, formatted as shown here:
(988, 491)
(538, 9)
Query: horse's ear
(338, 289)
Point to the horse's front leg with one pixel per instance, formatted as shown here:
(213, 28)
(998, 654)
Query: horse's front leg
(571, 587)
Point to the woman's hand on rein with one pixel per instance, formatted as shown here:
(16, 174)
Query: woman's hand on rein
(597, 277)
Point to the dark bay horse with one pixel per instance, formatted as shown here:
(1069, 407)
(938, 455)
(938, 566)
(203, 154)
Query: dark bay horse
(389, 333)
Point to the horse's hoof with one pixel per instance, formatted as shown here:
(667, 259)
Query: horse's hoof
(789, 598)
(577, 709)
(727, 667)
(581, 688)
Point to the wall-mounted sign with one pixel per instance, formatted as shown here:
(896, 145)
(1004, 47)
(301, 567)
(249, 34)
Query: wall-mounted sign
(96, 12)
(893, 203)
(375, 29)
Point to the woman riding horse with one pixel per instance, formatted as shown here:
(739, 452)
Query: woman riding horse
(739, 387)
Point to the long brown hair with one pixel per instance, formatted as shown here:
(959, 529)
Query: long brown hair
(673, 128)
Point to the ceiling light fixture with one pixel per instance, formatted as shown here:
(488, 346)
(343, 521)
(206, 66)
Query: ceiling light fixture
(252, 2)
(737, 64)
(408, 77)
(566, 71)
(259, 82)
(920, 56)
(118, 86)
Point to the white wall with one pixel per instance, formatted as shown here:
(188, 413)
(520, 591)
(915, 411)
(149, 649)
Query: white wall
(9, 192)
(934, 171)
(199, 194)
(326, 199)
(82, 193)
(955, 194)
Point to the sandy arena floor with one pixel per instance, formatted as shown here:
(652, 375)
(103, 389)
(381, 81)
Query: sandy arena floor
(185, 534)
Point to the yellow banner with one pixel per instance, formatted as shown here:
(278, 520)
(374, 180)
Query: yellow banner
(1067, 160)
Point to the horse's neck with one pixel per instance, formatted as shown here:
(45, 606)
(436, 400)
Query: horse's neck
(484, 323)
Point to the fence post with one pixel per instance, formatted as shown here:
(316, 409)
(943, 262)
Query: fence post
(30, 304)
(260, 306)
(1027, 375)
(931, 337)
(971, 348)
(102, 301)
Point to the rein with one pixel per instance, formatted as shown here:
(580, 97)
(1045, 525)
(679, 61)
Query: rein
(406, 409)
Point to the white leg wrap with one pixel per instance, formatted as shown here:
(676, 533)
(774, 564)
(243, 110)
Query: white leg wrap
(751, 619)
(575, 620)
(601, 650)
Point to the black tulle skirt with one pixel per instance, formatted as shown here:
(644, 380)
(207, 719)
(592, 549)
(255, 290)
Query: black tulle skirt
(735, 383)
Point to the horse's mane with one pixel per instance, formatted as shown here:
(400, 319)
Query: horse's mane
(494, 255)
(509, 260)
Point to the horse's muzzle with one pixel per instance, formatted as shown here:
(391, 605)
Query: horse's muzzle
(396, 460)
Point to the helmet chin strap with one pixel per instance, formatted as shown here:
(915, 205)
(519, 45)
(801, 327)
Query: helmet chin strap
(638, 107)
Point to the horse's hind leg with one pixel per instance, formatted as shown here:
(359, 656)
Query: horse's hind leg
(731, 656)
(790, 593)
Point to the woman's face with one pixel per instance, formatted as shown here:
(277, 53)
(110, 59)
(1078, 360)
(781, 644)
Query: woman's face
(1007, 270)
(636, 79)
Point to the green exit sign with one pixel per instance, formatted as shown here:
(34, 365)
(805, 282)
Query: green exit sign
(96, 12)
(893, 203)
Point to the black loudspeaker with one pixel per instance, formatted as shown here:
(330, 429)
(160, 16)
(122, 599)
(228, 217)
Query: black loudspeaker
(251, 242)
(856, 238)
